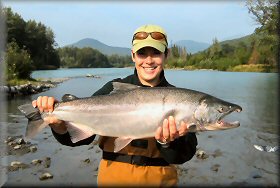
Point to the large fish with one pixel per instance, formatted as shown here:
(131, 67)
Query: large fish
(131, 112)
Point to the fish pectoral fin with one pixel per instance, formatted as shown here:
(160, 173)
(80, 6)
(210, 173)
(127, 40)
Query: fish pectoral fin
(121, 142)
(192, 127)
(78, 131)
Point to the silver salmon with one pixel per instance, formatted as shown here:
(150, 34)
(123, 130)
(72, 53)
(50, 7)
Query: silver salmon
(132, 112)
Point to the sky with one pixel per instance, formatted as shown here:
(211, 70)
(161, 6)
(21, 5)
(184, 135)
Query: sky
(113, 23)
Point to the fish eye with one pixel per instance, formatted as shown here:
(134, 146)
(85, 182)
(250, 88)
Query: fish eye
(221, 109)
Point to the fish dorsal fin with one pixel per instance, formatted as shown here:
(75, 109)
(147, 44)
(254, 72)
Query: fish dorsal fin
(121, 142)
(121, 87)
(68, 97)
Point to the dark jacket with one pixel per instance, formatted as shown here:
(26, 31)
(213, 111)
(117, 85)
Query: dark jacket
(179, 151)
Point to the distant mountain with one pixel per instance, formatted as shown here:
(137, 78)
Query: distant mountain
(103, 48)
(192, 46)
(232, 37)
(245, 39)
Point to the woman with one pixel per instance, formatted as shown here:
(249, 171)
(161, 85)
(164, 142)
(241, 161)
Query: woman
(144, 161)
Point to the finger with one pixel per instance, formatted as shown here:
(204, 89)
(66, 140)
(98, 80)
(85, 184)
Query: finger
(34, 103)
(47, 119)
(39, 103)
(45, 103)
(53, 120)
(183, 129)
(165, 129)
(51, 101)
(172, 128)
(158, 134)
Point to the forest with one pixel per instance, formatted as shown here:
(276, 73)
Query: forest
(257, 52)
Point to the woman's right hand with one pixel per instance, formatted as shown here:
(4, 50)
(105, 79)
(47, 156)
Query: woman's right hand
(46, 104)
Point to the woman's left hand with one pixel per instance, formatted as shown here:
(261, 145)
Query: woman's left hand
(168, 131)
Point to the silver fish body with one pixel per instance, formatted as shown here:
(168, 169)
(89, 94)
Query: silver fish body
(132, 112)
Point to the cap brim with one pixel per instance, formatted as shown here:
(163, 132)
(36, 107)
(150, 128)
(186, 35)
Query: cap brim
(149, 43)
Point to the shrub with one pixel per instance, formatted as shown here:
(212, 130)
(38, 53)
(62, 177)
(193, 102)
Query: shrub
(18, 62)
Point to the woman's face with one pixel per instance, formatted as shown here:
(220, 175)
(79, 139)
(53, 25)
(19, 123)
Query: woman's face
(149, 63)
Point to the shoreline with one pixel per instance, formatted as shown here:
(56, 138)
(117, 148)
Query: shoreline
(31, 87)
(35, 86)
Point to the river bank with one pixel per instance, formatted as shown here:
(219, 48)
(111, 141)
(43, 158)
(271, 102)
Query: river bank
(30, 87)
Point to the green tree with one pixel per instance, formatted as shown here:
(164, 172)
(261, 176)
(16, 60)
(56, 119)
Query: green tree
(15, 26)
(266, 13)
(18, 62)
(175, 51)
(242, 53)
(215, 50)
(68, 56)
(35, 38)
(184, 54)
(40, 43)
(227, 50)
(120, 61)
(90, 58)
(71, 57)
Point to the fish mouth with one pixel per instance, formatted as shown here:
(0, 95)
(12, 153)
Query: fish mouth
(222, 124)
(227, 125)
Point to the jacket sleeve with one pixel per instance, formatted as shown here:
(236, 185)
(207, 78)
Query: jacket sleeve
(180, 150)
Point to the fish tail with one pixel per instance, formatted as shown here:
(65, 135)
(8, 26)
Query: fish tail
(35, 121)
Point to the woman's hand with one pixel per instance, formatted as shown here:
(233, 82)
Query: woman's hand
(168, 131)
(46, 104)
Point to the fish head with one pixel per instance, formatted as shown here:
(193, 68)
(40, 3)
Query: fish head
(210, 113)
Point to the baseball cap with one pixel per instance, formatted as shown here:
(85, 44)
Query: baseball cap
(149, 41)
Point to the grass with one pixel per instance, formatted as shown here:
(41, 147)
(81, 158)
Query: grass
(15, 82)
(253, 68)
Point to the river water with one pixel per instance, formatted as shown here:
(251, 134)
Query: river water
(237, 161)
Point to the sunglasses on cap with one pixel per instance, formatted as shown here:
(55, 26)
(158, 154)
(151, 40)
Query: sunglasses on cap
(143, 35)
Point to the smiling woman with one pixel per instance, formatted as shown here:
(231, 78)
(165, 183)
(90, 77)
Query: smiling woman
(167, 145)
(149, 63)
(149, 53)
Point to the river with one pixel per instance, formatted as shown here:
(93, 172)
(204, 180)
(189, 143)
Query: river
(238, 162)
